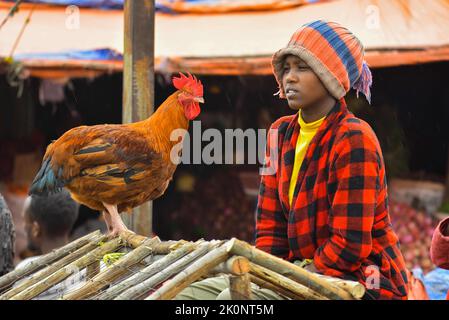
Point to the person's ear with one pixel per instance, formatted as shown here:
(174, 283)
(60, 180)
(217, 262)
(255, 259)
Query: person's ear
(35, 229)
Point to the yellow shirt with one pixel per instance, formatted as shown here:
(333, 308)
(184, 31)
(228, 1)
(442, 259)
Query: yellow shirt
(306, 134)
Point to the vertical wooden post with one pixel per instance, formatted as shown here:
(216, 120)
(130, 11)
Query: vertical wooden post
(138, 85)
(240, 287)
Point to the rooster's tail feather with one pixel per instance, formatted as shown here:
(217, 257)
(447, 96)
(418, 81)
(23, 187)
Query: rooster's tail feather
(46, 182)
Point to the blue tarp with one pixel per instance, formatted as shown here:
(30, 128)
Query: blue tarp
(436, 282)
(100, 55)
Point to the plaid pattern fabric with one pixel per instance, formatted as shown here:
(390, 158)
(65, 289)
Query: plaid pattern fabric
(339, 215)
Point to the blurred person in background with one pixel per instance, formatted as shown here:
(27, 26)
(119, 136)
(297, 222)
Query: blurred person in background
(7, 238)
(49, 221)
(439, 251)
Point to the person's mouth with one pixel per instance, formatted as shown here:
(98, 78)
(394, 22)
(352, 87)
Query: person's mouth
(291, 93)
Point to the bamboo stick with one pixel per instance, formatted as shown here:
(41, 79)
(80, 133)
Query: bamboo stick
(236, 265)
(197, 269)
(47, 271)
(134, 240)
(284, 282)
(92, 270)
(356, 289)
(146, 273)
(131, 239)
(68, 270)
(168, 246)
(279, 290)
(38, 263)
(145, 286)
(289, 270)
(240, 287)
(114, 272)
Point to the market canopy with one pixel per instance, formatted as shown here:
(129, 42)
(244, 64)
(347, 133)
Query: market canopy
(395, 32)
(184, 6)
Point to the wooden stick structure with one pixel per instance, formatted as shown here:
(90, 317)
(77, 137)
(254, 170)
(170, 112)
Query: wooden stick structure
(199, 268)
(173, 269)
(113, 272)
(8, 279)
(49, 270)
(159, 270)
(68, 270)
(283, 267)
(141, 282)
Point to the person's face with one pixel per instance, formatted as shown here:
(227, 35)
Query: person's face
(32, 228)
(301, 85)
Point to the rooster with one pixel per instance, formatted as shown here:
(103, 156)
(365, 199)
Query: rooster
(116, 167)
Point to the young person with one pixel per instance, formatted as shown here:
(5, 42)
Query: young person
(327, 201)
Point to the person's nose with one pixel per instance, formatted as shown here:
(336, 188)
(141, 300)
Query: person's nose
(291, 76)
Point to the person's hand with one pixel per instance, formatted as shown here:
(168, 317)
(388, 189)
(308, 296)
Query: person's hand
(311, 267)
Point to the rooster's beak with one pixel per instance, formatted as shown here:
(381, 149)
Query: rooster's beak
(200, 100)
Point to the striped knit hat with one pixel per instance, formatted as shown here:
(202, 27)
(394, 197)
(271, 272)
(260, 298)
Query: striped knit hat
(335, 55)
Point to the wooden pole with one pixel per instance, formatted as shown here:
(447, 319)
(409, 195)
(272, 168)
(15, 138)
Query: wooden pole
(290, 270)
(68, 270)
(44, 260)
(146, 273)
(113, 272)
(235, 265)
(279, 290)
(134, 240)
(138, 85)
(240, 287)
(192, 273)
(284, 282)
(49, 270)
(92, 270)
(356, 289)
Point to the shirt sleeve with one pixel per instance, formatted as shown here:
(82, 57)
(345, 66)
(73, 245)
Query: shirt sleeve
(271, 224)
(354, 184)
(439, 251)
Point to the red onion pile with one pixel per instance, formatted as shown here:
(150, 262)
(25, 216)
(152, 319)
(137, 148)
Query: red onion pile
(414, 229)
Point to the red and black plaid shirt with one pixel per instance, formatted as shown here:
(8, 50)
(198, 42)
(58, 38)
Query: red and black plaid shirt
(339, 215)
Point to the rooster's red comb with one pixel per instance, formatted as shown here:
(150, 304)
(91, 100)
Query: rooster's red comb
(189, 83)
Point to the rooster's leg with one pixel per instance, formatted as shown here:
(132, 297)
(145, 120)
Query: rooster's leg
(107, 219)
(114, 222)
